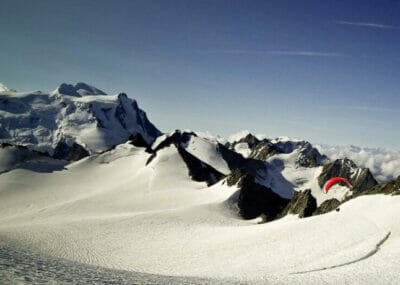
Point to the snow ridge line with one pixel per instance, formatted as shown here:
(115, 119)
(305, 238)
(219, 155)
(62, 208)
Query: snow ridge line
(368, 255)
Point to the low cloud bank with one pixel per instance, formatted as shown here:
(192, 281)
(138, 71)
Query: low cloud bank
(384, 164)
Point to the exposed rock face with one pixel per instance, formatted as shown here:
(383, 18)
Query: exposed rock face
(249, 139)
(392, 187)
(78, 90)
(259, 149)
(327, 206)
(302, 204)
(361, 178)
(234, 177)
(72, 153)
(139, 141)
(264, 150)
(255, 200)
(309, 156)
(236, 161)
(177, 138)
(198, 170)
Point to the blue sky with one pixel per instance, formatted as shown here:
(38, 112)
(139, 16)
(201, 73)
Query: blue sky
(325, 71)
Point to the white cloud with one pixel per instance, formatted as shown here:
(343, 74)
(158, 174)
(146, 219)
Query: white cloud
(273, 52)
(384, 164)
(307, 53)
(367, 25)
(371, 109)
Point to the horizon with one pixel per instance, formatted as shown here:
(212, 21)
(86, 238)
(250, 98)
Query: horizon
(323, 72)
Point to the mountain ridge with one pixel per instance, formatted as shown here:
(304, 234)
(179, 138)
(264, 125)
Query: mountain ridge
(293, 171)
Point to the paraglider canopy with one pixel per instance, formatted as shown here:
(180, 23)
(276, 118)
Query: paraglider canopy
(336, 180)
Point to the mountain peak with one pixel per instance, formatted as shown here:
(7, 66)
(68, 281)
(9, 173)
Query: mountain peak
(77, 125)
(80, 89)
(4, 88)
(238, 136)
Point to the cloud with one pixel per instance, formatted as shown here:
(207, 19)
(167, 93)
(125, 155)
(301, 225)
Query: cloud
(372, 109)
(367, 25)
(307, 53)
(273, 52)
(383, 164)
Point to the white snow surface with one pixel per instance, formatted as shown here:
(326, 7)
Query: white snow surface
(4, 88)
(207, 151)
(40, 121)
(243, 149)
(115, 211)
(238, 136)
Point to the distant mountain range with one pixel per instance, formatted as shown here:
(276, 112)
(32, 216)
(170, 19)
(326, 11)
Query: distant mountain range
(275, 177)
(86, 178)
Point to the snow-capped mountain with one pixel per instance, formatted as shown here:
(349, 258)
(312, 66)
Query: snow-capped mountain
(71, 122)
(87, 177)
(4, 88)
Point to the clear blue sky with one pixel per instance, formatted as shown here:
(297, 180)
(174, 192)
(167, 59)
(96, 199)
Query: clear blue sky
(325, 71)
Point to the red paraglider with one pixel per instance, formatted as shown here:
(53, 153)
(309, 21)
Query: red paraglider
(336, 180)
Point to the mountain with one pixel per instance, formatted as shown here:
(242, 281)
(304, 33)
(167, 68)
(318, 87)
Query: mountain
(361, 178)
(71, 122)
(87, 178)
(4, 88)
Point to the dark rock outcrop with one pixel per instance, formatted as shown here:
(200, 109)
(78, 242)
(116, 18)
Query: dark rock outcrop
(237, 161)
(392, 187)
(72, 153)
(235, 177)
(199, 170)
(302, 204)
(255, 200)
(83, 88)
(264, 150)
(249, 139)
(139, 141)
(177, 138)
(361, 178)
(309, 156)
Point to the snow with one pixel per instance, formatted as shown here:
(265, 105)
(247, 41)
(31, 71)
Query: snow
(238, 136)
(284, 176)
(243, 149)
(235, 137)
(97, 122)
(119, 210)
(113, 210)
(4, 88)
(207, 152)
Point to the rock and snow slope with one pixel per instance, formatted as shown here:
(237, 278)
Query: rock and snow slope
(115, 211)
(167, 209)
(72, 117)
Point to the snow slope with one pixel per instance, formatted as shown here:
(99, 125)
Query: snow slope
(207, 151)
(79, 114)
(115, 211)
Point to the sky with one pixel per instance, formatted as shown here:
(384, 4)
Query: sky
(324, 71)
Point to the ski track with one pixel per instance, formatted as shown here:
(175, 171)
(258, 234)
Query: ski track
(368, 255)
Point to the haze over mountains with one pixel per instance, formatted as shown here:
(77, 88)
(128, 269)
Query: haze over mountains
(87, 177)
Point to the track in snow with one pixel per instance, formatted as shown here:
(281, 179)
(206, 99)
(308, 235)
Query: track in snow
(368, 255)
